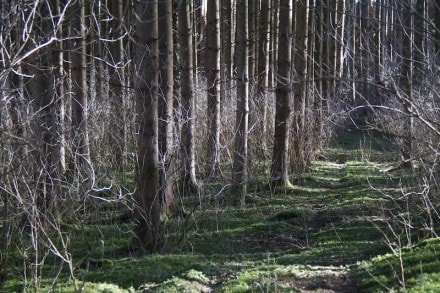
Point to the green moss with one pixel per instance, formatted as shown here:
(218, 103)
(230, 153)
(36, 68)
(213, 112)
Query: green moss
(418, 264)
(277, 242)
(198, 276)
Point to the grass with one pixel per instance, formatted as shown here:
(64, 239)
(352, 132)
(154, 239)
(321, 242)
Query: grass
(323, 234)
(418, 267)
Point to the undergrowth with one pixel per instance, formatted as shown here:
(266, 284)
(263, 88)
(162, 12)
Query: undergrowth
(328, 233)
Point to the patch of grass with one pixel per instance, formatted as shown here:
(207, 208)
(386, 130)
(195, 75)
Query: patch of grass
(414, 268)
(264, 278)
(305, 238)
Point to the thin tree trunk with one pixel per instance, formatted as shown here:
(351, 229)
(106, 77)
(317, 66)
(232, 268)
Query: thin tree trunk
(299, 90)
(188, 175)
(263, 69)
(252, 31)
(81, 145)
(241, 132)
(273, 57)
(320, 103)
(118, 140)
(226, 49)
(407, 14)
(213, 78)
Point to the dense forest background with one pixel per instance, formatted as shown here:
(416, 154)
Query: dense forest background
(141, 104)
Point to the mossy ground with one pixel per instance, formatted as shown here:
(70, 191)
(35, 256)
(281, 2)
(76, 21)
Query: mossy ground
(322, 234)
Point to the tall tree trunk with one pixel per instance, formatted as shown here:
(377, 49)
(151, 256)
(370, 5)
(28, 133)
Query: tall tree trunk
(252, 31)
(263, 69)
(273, 57)
(118, 140)
(188, 176)
(320, 103)
(166, 95)
(364, 45)
(81, 145)
(147, 209)
(241, 132)
(339, 40)
(213, 78)
(226, 51)
(419, 53)
(300, 89)
(280, 158)
(407, 14)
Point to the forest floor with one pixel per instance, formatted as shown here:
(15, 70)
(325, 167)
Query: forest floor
(330, 233)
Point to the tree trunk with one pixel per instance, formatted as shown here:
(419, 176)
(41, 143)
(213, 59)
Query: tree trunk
(166, 95)
(407, 14)
(189, 181)
(273, 57)
(263, 69)
(226, 32)
(81, 145)
(213, 78)
(252, 39)
(147, 210)
(300, 90)
(118, 139)
(280, 157)
(241, 132)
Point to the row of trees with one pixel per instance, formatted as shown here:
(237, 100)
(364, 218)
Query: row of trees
(186, 93)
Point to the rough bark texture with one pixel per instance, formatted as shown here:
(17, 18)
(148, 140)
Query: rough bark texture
(166, 94)
(147, 210)
(280, 158)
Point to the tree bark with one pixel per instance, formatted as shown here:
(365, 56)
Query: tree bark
(280, 158)
(81, 145)
(118, 140)
(300, 90)
(188, 175)
(226, 35)
(241, 132)
(166, 97)
(147, 210)
(252, 39)
(213, 78)
(407, 14)
(263, 69)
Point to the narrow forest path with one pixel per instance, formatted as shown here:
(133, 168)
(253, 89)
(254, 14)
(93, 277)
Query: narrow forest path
(315, 233)
(307, 239)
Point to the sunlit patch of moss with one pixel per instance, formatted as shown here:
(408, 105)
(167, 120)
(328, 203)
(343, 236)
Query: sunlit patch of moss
(175, 284)
(266, 278)
(411, 268)
(89, 287)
